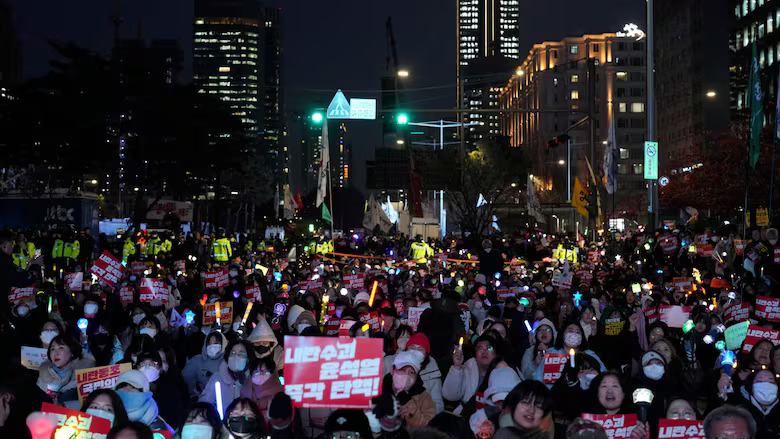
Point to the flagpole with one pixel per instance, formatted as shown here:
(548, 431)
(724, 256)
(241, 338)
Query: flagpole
(772, 174)
(330, 198)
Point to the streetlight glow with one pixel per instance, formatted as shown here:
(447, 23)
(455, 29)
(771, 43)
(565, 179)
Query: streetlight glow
(399, 141)
(520, 72)
(561, 162)
(403, 73)
(402, 119)
(711, 94)
(317, 117)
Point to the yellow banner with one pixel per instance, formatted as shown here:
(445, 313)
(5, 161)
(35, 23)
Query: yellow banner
(579, 198)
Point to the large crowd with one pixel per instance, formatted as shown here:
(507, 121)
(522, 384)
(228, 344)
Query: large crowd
(524, 335)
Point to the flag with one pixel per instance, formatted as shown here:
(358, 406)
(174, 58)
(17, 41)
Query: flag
(369, 214)
(495, 223)
(322, 178)
(532, 203)
(609, 159)
(289, 203)
(390, 211)
(579, 198)
(385, 224)
(326, 214)
(756, 111)
(298, 199)
(481, 201)
(276, 202)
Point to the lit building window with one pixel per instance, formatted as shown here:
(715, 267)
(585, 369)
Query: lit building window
(575, 94)
(574, 50)
(622, 107)
(638, 107)
(224, 69)
(621, 76)
(623, 153)
(575, 78)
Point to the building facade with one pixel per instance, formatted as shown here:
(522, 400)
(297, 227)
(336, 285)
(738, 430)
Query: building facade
(273, 130)
(554, 79)
(10, 52)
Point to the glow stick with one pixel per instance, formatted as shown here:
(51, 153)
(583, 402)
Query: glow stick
(365, 327)
(218, 391)
(218, 316)
(528, 326)
(246, 313)
(571, 357)
(460, 344)
(373, 292)
(50, 299)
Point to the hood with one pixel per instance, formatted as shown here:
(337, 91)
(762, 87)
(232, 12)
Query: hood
(292, 316)
(546, 321)
(263, 332)
(221, 337)
(307, 317)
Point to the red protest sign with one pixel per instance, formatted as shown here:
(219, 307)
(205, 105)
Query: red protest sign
(414, 313)
(126, 294)
(332, 372)
(584, 275)
(768, 308)
(89, 380)
(777, 255)
(152, 289)
(616, 426)
(332, 327)
(399, 306)
(354, 281)
(309, 285)
(553, 366)
(668, 244)
(217, 279)
(756, 333)
(225, 312)
(717, 282)
(19, 294)
(372, 319)
(651, 314)
(739, 245)
(736, 312)
(593, 256)
(504, 293)
(683, 283)
(73, 423)
(253, 294)
(680, 429)
(345, 326)
(108, 268)
(74, 281)
(704, 250)
(139, 267)
(674, 316)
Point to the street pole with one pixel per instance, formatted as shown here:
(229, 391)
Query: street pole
(568, 170)
(592, 125)
(654, 201)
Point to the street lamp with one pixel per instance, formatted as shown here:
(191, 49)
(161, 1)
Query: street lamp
(519, 72)
(403, 73)
(317, 117)
(711, 94)
(402, 119)
(561, 162)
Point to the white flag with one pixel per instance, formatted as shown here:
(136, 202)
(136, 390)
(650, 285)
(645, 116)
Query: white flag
(534, 209)
(289, 203)
(322, 185)
(609, 159)
(481, 201)
(382, 218)
(369, 217)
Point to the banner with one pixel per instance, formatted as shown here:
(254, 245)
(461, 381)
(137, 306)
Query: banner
(504, 293)
(74, 281)
(88, 380)
(354, 281)
(768, 308)
(76, 424)
(614, 326)
(332, 372)
(152, 289)
(414, 316)
(675, 316)
(108, 268)
(736, 312)
(332, 327)
(253, 294)
(616, 426)
(345, 326)
(553, 366)
(19, 294)
(126, 294)
(756, 333)
(668, 244)
(310, 285)
(139, 267)
(33, 357)
(762, 217)
(225, 312)
(182, 209)
(680, 429)
(217, 279)
(683, 283)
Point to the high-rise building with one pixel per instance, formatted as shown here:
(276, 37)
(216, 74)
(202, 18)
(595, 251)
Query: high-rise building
(159, 62)
(273, 128)
(227, 57)
(691, 73)
(305, 142)
(10, 53)
(554, 78)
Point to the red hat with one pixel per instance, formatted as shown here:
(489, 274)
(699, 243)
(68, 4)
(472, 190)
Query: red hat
(421, 340)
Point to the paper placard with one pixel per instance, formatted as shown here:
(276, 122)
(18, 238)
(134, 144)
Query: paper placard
(756, 333)
(736, 312)
(680, 429)
(616, 426)
(253, 294)
(553, 366)
(76, 424)
(33, 357)
(225, 313)
(108, 268)
(414, 316)
(19, 294)
(154, 289)
(126, 294)
(768, 308)
(674, 316)
(217, 279)
(89, 380)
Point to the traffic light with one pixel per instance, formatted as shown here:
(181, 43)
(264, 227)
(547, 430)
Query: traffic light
(317, 117)
(402, 119)
(558, 140)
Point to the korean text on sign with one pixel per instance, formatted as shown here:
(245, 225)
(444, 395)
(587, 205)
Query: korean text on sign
(89, 380)
(19, 294)
(126, 294)
(152, 289)
(756, 333)
(75, 281)
(217, 279)
(210, 312)
(616, 426)
(75, 424)
(332, 372)
(108, 268)
(553, 366)
(768, 308)
(253, 294)
(736, 312)
(680, 429)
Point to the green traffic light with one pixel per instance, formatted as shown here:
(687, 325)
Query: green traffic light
(402, 119)
(317, 117)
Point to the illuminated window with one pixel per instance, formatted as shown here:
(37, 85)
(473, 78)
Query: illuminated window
(575, 94)
(623, 153)
(622, 107)
(224, 69)
(638, 107)
(574, 50)
(638, 168)
(621, 76)
(575, 78)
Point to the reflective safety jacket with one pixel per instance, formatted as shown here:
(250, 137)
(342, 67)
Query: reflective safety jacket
(25, 253)
(62, 249)
(152, 246)
(220, 250)
(421, 250)
(128, 249)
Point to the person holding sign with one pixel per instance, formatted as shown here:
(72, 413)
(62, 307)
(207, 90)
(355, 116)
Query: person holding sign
(574, 384)
(57, 377)
(533, 359)
(572, 337)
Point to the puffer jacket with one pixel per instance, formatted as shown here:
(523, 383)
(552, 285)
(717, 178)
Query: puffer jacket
(263, 332)
(62, 389)
(230, 387)
(200, 368)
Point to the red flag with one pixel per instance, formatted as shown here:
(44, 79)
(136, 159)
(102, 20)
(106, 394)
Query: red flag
(298, 200)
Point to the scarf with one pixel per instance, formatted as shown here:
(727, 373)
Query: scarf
(140, 406)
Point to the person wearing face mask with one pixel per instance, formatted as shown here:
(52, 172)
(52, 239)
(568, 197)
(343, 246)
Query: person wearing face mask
(759, 396)
(243, 419)
(200, 368)
(266, 344)
(405, 384)
(400, 339)
(150, 326)
(571, 338)
(264, 385)
(202, 422)
(57, 375)
(573, 386)
(653, 376)
(500, 383)
(233, 373)
(102, 345)
(133, 389)
(50, 329)
(107, 404)
(170, 399)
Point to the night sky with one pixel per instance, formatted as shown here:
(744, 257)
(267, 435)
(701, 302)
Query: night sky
(328, 44)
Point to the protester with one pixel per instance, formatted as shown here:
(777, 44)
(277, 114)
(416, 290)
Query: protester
(57, 375)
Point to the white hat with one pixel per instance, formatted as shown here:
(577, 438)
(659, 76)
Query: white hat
(135, 378)
(652, 355)
(501, 382)
(361, 297)
(481, 279)
(409, 358)
(292, 315)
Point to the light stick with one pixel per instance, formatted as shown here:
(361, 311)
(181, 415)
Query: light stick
(643, 398)
(373, 292)
(246, 313)
(460, 344)
(218, 391)
(219, 322)
(528, 326)
(50, 300)
(571, 357)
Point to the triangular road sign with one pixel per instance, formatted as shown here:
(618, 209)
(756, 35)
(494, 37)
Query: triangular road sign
(339, 107)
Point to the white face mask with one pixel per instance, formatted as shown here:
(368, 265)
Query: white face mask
(572, 339)
(22, 310)
(137, 318)
(152, 373)
(301, 326)
(236, 326)
(548, 288)
(402, 381)
(48, 335)
(237, 364)
(213, 350)
(151, 332)
(765, 393)
(194, 431)
(654, 371)
(233, 273)
(90, 309)
(260, 378)
(102, 414)
(586, 380)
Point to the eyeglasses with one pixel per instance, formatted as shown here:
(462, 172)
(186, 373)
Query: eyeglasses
(238, 354)
(544, 329)
(262, 372)
(345, 435)
(484, 348)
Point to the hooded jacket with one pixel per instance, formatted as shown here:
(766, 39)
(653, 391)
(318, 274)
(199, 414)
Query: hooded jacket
(419, 405)
(530, 370)
(231, 388)
(62, 389)
(461, 384)
(200, 368)
(263, 394)
(263, 332)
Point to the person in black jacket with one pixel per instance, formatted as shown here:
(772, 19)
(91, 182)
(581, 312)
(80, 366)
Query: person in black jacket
(490, 261)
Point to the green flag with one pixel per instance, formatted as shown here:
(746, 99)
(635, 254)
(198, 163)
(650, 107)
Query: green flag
(756, 110)
(326, 214)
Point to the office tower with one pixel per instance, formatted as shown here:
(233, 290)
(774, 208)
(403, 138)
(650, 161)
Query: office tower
(10, 53)
(273, 127)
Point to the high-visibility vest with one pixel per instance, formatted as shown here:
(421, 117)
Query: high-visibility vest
(57, 248)
(324, 247)
(62, 249)
(166, 246)
(421, 250)
(128, 249)
(25, 253)
(220, 250)
(249, 246)
(153, 246)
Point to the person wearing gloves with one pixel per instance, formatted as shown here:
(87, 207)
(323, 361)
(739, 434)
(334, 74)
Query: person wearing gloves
(133, 389)
(57, 375)
(430, 374)
(500, 383)
(266, 345)
(532, 363)
(405, 384)
(232, 374)
(464, 378)
(200, 368)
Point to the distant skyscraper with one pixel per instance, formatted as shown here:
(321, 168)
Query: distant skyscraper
(10, 54)
(273, 129)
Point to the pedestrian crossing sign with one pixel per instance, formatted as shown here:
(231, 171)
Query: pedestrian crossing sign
(339, 107)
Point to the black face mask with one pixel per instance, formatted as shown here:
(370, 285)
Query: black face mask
(101, 339)
(242, 424)
(262, 349)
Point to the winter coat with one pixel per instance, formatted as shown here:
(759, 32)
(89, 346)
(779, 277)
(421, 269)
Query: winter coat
(767, 421)
(200, 368)
(461, 384)
(263, 394)
(171, 396)
(62, 389)
(263, 332)
(417, 402)
(431, 376)
(231, 387)
(142, 407)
